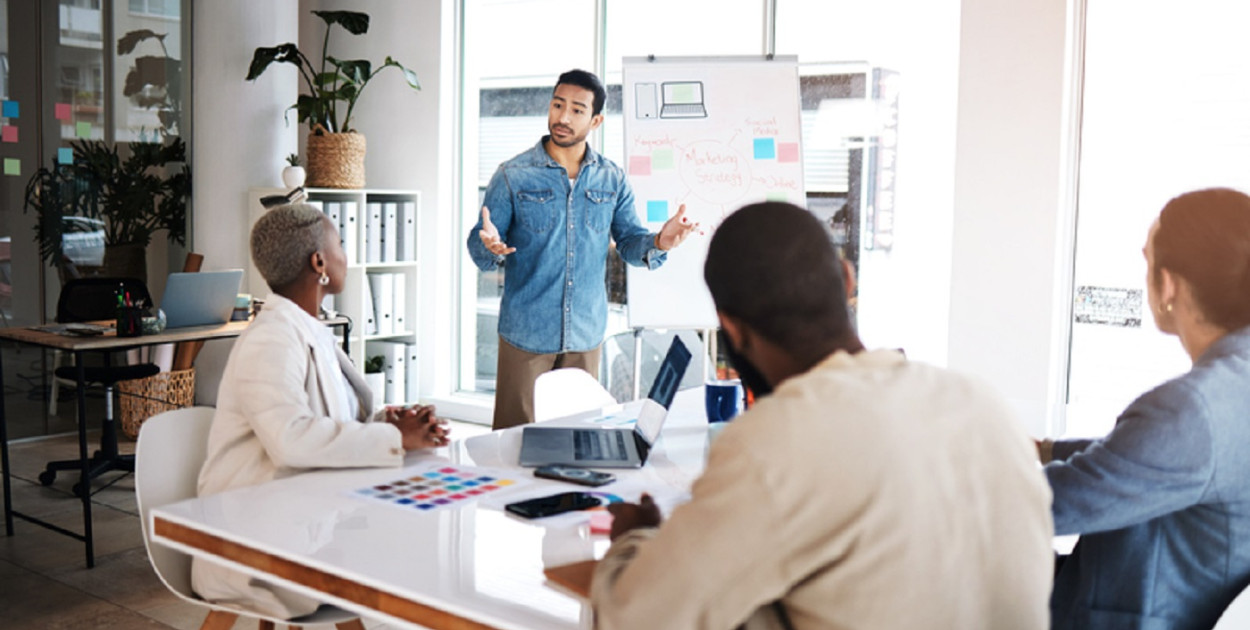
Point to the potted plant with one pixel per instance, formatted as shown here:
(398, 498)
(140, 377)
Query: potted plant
(293, 174)
(154, 82)
(336, 153)
(127, 199)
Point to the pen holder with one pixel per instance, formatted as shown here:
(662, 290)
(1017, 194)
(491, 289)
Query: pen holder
(129, 321)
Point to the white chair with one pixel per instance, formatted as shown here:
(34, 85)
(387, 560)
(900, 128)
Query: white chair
(567, 391)
(1237, 615)
(169, 455)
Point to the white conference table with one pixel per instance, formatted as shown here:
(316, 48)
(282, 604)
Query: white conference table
(470, 565)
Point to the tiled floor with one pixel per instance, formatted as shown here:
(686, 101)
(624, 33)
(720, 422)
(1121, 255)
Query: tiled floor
(44, 582)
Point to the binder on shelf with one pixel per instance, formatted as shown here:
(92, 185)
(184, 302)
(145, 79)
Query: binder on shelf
(399, 284)
(373, 232)
(371, 320)
(407, 246)
(334, 210)
(348, 228)
(390, 230)
(383, 301)
(412, 390)
(395, 368)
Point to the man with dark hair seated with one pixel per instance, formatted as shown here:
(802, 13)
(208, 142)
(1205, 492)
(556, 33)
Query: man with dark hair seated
(861, 490)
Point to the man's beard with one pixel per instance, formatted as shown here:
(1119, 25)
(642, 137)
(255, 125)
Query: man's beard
(751, 377)
(572, 141)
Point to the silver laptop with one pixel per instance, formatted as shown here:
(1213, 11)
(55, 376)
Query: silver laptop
(683, 99)
(611, 448)
(200, 299)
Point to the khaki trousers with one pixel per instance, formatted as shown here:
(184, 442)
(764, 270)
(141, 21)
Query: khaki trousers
(518, 369)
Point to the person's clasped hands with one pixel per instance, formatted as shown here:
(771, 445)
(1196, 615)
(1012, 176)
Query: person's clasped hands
(419, 426)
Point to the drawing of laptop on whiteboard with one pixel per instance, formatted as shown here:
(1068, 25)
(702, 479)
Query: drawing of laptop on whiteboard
(683, 99)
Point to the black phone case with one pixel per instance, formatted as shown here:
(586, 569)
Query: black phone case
(578, 476)
(533, 508)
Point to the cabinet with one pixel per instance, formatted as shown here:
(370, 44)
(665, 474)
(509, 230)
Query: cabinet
(378, 228)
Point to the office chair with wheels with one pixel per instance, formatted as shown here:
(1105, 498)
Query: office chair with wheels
(172, 448)
(92, 299)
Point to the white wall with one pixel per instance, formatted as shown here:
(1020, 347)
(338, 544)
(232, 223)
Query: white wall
(238, 139)
(1010, 223)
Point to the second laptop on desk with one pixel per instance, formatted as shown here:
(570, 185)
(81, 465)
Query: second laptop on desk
(202, 298)
(611, 448)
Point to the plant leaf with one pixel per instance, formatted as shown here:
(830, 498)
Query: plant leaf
(355, 22)
(356, 70)
(129, 41)
(284, 53)
(409, 75)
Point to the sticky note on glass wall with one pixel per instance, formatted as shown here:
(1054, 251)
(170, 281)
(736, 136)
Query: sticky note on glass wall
(662, 159)
(10, 109)
(65, 155)
(657, 211)
(12, 166)
(640, 165)
(765, 149)
(63, 111)
(83, 130)
(8, 133)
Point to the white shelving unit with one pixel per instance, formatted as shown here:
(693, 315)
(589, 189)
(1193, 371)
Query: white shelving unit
(352, 302)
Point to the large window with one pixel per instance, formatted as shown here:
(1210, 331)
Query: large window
(867, 70)
(1158, 120)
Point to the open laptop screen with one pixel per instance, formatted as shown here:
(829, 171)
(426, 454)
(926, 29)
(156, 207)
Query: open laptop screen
(663, 390)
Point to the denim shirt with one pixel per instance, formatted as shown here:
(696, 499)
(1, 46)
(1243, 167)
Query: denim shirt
(1162, 503)
(555, 293)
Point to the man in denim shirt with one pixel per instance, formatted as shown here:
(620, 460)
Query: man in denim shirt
(549, 213)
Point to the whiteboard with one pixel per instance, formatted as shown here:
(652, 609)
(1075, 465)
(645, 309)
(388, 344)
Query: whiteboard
(714, 133)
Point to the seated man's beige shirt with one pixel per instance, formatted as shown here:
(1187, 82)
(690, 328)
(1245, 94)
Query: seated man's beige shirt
(868, 493)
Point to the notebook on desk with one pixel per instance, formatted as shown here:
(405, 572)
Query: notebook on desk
(202, 298)
(611, 448)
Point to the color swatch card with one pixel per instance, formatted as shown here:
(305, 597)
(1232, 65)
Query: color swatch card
(439, 487)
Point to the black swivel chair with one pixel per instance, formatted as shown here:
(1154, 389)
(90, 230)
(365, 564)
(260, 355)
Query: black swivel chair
(91, 299)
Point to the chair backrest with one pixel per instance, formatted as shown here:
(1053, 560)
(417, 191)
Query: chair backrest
(172, 447)
(567, 391)
(1237, 615)
(90, 299)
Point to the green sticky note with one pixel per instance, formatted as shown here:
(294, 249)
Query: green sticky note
(776, 196)
(84, 130)
(661, 159)
(12, 166)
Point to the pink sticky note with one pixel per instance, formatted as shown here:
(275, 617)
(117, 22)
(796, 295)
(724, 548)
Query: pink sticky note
(640, 165)
(787, 152)
(8, 133)
(63, 111)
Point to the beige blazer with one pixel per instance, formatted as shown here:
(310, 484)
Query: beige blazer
(278, 414)
(869, 492)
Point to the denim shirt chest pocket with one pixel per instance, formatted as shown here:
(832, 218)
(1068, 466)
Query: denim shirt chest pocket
(602, 203)
(537, 209)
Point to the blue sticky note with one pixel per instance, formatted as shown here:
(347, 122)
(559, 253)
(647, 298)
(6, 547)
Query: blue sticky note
(65, 155)
(657, 211)
(11, 109)
(765, 149)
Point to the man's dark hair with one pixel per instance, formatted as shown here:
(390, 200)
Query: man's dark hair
(586, 81)
(1204, 237)
(773, 266)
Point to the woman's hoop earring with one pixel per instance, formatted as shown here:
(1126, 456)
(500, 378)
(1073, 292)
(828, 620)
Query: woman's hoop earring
(325, 279)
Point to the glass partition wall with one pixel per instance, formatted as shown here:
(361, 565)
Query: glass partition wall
(75, 71)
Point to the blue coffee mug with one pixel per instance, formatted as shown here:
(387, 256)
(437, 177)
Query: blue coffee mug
(723, 399)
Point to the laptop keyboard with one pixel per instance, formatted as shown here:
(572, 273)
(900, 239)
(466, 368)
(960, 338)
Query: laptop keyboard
(683, 109)
(599, 445)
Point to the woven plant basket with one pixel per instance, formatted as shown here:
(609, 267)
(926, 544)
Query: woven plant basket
(335, 160)
(143, 398)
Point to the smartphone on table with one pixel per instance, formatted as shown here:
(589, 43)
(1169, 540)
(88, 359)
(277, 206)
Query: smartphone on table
(573, 474)
(554, 504)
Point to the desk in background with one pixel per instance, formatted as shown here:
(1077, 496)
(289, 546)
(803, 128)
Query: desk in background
(473, 566)
(78, 346)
